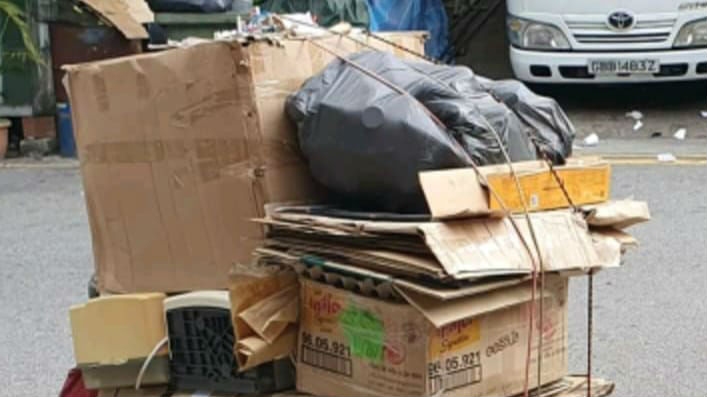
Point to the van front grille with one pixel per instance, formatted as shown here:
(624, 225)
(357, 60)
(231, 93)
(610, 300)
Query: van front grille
(598, 32)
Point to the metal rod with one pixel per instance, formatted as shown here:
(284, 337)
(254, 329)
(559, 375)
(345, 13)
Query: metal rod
(590, 324)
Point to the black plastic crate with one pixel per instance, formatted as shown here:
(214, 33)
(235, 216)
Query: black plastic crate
(201, 341)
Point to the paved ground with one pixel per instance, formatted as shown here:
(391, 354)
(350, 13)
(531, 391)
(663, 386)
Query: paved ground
(666, 108)
(651, 331)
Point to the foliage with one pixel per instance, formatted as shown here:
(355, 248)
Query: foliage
(14, 15)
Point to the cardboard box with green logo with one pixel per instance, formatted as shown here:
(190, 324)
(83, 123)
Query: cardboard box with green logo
(471, 346)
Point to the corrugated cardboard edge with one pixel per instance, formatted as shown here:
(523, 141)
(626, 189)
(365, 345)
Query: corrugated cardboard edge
(619, 214)
(441, 313)
(122, 15)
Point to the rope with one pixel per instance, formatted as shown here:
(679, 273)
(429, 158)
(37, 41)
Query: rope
(554, 173)
(540, 265)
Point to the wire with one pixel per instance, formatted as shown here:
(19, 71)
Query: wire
(590, 324)
(148, 360)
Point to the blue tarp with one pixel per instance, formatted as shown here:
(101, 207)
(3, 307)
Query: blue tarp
(429, 15)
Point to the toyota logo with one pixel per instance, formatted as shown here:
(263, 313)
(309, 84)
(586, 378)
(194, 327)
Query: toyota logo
(621, 20)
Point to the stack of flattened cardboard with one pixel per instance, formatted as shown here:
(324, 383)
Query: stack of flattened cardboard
(406, 306)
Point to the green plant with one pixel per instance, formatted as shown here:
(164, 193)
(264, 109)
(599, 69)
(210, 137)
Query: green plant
(14, 14)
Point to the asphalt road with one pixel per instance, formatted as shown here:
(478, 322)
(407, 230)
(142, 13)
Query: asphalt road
(666, 108)
(650, 316)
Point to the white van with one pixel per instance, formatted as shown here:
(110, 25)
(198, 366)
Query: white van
(607, 41)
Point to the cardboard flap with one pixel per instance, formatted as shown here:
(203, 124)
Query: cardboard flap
(140, 11)
(253, 351)
(477, 248)
(454, 193)
(250, 286)
(450, 293)
(619, 214)
(621, 236)
(441, 313)
(122, 14)
(269, 317)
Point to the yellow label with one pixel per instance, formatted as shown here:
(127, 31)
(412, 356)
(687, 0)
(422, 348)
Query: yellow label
(543, 192)
(454, 337)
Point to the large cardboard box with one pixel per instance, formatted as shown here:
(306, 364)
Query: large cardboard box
(180, 149)
(114, 335)
(351, 345)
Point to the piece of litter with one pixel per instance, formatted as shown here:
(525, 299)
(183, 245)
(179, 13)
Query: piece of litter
(680, 134)
(656, 134)
(666, 158)
(591, 140)
(635, 114)
(638, 125)
(703, 114)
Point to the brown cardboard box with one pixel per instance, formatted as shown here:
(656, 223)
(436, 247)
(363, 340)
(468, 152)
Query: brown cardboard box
(180, 149)
(459, 192)
(113, 336)
(350, 345)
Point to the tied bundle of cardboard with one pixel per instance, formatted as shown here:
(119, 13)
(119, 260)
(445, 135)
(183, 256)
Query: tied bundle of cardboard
(415, 307)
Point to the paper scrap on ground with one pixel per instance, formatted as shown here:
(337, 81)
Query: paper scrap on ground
(591, 140)
(703, 113)
(635, 114)
(638, 125)
(667, 158)
(680, 134)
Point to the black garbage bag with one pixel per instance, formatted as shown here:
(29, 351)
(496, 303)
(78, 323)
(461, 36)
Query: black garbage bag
(547, 123)
(203, 6)
(367, 142)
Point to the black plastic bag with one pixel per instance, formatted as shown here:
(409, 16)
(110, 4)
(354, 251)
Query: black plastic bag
(203, 6)
(367, 142)
(543, 116)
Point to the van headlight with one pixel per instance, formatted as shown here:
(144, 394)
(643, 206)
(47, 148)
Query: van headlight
(693, 34)
(536, 35)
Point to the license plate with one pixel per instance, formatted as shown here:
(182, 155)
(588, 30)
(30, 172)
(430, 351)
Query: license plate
(623, 66)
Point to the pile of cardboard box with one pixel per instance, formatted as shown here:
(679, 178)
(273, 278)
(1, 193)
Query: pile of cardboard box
(191, 168)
